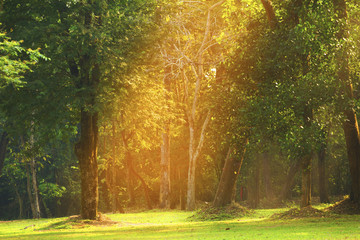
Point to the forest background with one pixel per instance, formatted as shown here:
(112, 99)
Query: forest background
(121, 105)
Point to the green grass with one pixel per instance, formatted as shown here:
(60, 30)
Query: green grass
(175, 225)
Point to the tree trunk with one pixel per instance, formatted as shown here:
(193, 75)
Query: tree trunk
(105, 185)
(104, 189)
(130, 177)
(116, 205)
(109, 182)
(45, 207)
(289, 182)
(86, 152)
(192, 108)
(130, 187)
(266, 172)
(107, 193)
(114, 193)
(190, 201)
(351, 128)
(20, 201)
(270, 13)
(35, 189)
(87, 146)
(132, 172)
(145, 186)
(3, 147)
(351, 131)
(165, 170)
(178, 193)
(229, 176)
(182, 176)
(28, 188)
(306, 162)
(306, 182)
(324, 198)
(165, 154)
(255, 184)
(233, 196)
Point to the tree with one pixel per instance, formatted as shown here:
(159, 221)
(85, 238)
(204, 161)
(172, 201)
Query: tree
(87, 40)
(225, 191)
(191, 63)
(15, 61)
(165, 190)
(351, 127)
(297, 65)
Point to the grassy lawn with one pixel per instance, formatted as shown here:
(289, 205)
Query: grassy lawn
(175, 225)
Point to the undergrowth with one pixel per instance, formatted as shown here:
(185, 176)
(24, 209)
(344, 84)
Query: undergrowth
(211, 213)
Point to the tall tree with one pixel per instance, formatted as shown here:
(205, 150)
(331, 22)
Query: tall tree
(297, 26)
(324, 198)
(87, 41)
(165, 149)
(191, 108)
(189, 56)
(351, 127)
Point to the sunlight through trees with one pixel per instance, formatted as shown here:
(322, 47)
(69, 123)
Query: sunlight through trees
(115, 106)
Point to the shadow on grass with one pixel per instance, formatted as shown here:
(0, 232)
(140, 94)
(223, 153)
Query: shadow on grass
(65, 224)
(75, 222)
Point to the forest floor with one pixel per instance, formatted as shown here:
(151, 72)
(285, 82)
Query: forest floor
(319, 222)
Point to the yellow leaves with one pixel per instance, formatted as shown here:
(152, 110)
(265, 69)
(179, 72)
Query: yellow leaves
(219, 39)
(167, 18)
(188, 37)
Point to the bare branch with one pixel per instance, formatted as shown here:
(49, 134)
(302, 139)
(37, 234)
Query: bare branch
(207, 29)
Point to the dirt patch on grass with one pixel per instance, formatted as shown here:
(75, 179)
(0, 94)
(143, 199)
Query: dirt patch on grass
(76, 222)
(345, 206)
(210, 213)
(101, 220)
(306, 212)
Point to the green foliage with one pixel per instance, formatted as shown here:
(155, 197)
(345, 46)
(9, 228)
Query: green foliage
(15, 61)
(276, 86)
(50, 190)
(291, 67)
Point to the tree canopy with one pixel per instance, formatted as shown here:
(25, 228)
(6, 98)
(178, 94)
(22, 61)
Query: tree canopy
(133, 104)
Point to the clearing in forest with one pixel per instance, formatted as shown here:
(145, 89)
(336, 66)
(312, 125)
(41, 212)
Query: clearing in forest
(280, 223)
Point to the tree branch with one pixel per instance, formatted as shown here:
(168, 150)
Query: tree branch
(270, 13)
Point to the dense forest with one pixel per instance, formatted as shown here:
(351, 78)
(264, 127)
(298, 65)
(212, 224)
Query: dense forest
(111, 106)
